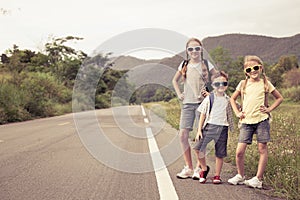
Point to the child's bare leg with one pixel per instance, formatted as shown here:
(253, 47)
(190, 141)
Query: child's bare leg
(219, 164)
(240, 158)
(202, 161)
(198, 159)
(263, 159)
(184, 134)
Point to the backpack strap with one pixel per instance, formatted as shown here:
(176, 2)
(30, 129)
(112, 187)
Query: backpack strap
(211, 101)
(184, 67)
(209, 88)
(242, 94)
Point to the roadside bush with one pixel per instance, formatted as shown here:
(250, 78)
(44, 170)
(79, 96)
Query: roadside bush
(103, 100)
(43, 91)
(12, 104)
(292, 93)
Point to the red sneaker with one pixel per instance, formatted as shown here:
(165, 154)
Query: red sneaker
(203, 175)
(217, 180)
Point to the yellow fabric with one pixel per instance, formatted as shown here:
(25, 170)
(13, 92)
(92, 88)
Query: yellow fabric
(254, 97)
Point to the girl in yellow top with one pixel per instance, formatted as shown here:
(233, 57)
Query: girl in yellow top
(254, 117)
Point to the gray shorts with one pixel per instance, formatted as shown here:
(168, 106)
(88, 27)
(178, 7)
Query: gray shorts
(220, 136)
(189, 115)
(261, 129)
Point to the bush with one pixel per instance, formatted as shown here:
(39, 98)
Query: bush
(43, 91)
(292, 93)
(12, 104)
(103, 100)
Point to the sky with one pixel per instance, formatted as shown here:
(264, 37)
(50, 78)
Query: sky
(31, 23)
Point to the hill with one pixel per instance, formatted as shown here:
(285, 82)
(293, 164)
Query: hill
(270, 49)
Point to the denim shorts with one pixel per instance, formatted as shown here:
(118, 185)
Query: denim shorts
(189, 115)
(220, 136)
(261, 129)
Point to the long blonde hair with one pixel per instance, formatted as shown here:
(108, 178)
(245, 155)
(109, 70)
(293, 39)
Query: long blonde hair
(259, 61)
(186, 62)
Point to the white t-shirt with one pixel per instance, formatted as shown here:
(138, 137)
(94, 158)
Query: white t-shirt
(218, 113)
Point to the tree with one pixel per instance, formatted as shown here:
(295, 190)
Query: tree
(221, 57)
(285, 64)
(291, 78)
(64, 60)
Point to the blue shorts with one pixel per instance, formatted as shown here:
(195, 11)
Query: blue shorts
(217, 133)
(189, 115)
(261, 129)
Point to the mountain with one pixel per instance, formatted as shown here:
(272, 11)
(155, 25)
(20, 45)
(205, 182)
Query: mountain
(270, 49)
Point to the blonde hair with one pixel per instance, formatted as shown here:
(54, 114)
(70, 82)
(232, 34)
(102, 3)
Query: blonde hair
(185, 63)
(254, 58)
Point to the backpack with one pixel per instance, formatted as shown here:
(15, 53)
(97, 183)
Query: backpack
(211, 101)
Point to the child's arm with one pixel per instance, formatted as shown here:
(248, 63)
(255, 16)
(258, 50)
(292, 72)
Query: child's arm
(277, 102)
(176, 86)
(234, 106)
(200, 126)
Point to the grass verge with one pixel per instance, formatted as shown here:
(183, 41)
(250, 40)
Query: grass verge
(283, 171)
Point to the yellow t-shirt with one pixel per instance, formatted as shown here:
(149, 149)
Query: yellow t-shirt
(254, 97)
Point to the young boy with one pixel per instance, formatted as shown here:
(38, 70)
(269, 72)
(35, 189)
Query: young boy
(215, 119)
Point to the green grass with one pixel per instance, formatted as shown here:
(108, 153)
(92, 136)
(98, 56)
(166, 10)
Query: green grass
(283, 169)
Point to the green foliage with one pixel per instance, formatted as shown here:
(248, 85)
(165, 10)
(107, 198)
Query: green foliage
(169, 111)
(12, 104)
(42, 91)
(44, 81)
(225, 63)
(291, 78)
(103, 100)
(278, 71)
(291, 94)
(152, 93)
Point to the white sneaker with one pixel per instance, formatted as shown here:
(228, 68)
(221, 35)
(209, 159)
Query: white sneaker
(254, 182)
(237, 180)
(186, 172)
(196, 175)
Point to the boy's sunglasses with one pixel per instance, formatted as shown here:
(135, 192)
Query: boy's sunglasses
(253, 68)
(218, 84)
(197, 48)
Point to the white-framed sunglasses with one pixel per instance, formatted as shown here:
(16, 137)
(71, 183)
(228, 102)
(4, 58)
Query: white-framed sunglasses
(197, 48)
(219, 84)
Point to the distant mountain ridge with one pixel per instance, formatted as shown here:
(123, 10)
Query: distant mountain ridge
(270, 49)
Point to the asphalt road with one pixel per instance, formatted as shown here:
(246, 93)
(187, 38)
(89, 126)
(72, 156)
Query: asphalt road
(101, 155)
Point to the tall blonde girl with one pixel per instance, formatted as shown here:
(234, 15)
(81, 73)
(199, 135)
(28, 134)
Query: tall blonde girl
(193, 76)
(254, 117)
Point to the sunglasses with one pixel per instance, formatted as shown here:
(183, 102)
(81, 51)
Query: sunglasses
(253, 68)
(197, 48)
(218, 84)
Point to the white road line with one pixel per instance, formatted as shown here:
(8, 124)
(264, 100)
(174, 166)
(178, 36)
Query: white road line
(64, 123)
(165, 185)
(146, 120)
(143, 111)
